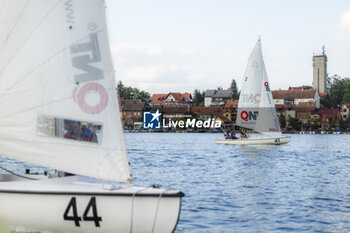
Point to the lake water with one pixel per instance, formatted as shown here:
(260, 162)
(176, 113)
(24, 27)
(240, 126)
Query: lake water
(303, 186)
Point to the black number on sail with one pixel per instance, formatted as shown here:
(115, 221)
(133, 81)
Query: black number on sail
(72, 205)
(95, 217)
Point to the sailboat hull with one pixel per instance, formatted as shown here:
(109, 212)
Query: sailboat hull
(255, 141)
(28, 207)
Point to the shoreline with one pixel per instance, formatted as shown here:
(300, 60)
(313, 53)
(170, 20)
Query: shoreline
(221, 131)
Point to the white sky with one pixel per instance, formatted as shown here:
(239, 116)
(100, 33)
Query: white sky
(178, 45)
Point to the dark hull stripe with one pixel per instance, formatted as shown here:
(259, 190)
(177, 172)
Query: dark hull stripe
(178, 194)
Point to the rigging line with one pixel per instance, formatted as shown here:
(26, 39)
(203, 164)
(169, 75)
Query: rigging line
(15, 174)
(14, 25)
(157, 209)
(44, 62)
(30, 34)
(132, 207)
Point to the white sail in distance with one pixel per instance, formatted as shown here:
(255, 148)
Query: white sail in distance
(57, 89)
(256, 109)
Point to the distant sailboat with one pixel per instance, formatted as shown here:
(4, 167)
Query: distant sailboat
(57, 94)
(256, 109)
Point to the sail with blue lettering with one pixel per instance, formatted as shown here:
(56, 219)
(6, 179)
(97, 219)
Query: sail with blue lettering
(58, 99)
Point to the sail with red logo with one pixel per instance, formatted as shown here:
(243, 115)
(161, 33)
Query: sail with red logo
(58, 90)
(256, 109)
(60, 111)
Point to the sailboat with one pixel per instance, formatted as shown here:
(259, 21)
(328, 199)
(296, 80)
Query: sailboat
(59, 110)
(256, 109)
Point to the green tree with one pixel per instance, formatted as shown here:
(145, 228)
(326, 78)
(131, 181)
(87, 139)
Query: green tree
(132, 93)
(282, 120)
(198, 98)
(307, 87)
(338, 92)
(326, 101)
(346, 97)
(332, 124)
(120, 88)
(342, 124)
(294, 123)
(234, 90)
(347, 122)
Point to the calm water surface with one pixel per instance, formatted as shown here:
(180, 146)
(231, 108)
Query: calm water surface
(303, 186)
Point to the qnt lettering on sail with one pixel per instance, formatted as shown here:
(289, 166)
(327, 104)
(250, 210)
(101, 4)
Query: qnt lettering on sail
(250, 115)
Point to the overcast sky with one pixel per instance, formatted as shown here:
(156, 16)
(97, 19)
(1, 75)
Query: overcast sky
(165, 46)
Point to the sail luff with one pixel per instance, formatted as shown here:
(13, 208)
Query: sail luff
(250, 95)
(115, 95)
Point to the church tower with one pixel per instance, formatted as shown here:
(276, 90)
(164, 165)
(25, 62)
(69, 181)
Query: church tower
(320, 72)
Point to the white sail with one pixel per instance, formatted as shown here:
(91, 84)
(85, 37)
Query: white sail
(256, 109)
(57, 89)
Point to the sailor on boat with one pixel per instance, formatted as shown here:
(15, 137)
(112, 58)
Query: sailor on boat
(244, 133)
(230, 135)
(79, 131)
(233, 134)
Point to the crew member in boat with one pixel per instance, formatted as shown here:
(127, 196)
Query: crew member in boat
(227, 134)
(79, 131)
(87, 134)
(233, 134)
(244, 133)
(72, 129)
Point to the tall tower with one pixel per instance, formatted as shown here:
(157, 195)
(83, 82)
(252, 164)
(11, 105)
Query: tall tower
(320, 72)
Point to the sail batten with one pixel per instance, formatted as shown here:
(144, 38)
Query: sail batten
(59, 105)
(256, 109)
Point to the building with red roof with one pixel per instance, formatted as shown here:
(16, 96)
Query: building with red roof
(230, 110)
(296, 97)
(207, 112)
(171, 99)
(158, 100)
(132, 110)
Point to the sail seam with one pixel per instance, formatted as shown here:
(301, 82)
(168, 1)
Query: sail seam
(33, 107)
(14, 25)
(30, 34)
(44, 62)
(2, 6)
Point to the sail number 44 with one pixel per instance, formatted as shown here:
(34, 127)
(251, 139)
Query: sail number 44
(73, 215)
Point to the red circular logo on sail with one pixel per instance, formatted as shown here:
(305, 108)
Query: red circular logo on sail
(244, 115)
(88, 88)
(257, 98)
(266, 84)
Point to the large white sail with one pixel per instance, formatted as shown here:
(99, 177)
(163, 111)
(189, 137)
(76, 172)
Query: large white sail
(256, 109)
(57, 90)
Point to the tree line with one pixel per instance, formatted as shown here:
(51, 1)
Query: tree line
(132, 93)
(338, 92)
